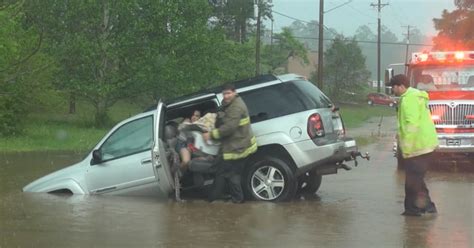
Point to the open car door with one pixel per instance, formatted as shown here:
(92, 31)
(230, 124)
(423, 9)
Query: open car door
(159, 153)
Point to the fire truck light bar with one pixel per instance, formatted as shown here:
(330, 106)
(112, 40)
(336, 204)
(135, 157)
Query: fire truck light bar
(440, 57)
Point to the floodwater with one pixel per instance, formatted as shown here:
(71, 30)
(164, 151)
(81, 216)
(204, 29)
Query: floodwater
(357, 208)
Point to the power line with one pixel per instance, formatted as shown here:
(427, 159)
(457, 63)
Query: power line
(290, 17)
(409, 19)
(360, 12)
(296, 19)
(397, 17)
(336, 7)
(364, 41)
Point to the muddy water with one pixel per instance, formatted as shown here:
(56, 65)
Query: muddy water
(358, 208)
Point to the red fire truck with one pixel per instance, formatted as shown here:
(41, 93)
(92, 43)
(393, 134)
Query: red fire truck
(448, 77)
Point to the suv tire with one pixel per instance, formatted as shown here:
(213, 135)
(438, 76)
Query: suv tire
(309, 183)
(270, 179)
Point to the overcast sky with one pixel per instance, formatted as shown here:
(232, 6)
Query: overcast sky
(346, 19)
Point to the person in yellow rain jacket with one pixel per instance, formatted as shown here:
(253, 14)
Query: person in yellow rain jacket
(417, 140)
(235, 134)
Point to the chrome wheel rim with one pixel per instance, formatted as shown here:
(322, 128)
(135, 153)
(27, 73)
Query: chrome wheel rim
(268, 183)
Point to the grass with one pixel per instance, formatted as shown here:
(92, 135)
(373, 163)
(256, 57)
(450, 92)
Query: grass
(356, 115)
(365, 140)
(53, 129)
(53, 137)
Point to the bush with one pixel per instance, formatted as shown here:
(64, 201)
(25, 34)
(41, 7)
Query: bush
(11, 116)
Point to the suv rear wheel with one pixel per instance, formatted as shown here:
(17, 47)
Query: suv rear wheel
(309, 183)
(270, 179)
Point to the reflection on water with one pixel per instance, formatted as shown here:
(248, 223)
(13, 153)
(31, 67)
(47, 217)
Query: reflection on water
(359, 208)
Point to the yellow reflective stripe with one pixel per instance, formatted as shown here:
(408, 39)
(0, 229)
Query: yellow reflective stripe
(215, 134)
(251, 149)
(244, 121)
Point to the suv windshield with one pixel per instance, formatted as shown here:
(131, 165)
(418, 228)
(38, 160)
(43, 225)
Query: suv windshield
(443, 77)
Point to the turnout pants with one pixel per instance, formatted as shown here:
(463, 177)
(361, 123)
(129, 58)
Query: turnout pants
(228, 174)
(417, 197)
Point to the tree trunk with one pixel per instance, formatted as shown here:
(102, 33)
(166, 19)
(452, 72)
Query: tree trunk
(72, 103)
(101, 117)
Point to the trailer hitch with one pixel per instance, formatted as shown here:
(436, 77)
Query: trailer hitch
(354, 156)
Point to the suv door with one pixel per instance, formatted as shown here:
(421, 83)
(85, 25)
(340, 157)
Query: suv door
(125, 161)
(160, 163)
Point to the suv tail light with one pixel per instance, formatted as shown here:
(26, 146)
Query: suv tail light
(315, 126)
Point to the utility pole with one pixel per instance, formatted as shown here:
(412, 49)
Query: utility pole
(271, 45)
(379, 7)
(320, 44)
(321, 39)
(257, 47)
(408, 44)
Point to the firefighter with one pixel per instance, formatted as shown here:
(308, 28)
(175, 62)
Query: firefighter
(235, 134)
(417, 140)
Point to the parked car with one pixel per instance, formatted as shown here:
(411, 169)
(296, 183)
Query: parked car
(299, 132)
(381, 99)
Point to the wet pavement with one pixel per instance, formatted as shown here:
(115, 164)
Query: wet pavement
(357, 208)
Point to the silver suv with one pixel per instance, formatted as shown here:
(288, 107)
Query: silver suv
(299, 132)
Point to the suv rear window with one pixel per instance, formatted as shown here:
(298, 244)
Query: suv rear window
(272, 101)
(314, 97)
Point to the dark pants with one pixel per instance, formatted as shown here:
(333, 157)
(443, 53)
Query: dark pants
(417, 197)
(228, 174)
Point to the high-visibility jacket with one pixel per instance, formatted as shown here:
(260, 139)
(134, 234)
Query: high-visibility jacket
(416, 130)
(233, 130)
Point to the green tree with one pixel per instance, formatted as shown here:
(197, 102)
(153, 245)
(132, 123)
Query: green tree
(455, 27)
(345, 69)
(234, 16)
(417, 37)
(308, 33)
(364, 33)
(390, 52)
(285, 47)
(464, 4)
(188, 54)
(112, 50)
(94, 44)
(24, 71)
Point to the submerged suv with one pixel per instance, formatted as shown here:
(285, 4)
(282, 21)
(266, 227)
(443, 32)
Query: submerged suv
(300, 137)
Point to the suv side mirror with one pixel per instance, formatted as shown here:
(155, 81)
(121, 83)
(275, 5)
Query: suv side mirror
(96, 157)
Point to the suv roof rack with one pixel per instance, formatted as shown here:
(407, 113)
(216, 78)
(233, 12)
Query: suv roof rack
(252, 81)
(291, 76)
